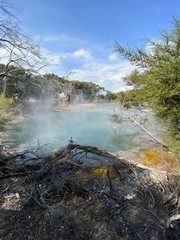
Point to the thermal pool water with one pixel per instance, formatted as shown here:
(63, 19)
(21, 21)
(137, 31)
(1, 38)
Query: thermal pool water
(85, 125)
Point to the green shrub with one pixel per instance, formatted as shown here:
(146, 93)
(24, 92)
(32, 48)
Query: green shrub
(5, 104)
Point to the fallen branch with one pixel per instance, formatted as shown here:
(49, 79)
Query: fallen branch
(149, 133)
(73, 148)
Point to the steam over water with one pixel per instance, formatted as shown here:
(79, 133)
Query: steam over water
(84, 125)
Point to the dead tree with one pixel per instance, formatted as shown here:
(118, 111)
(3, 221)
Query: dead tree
(16, 48)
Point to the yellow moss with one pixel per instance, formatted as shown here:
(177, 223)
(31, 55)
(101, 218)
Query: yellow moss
(159, 158)
(99, 171)
(95, 171)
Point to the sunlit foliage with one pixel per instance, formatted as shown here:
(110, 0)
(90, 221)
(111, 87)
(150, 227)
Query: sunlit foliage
(156, 81)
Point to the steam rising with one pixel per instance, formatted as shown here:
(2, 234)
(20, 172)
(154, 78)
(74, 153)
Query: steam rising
(84, 124)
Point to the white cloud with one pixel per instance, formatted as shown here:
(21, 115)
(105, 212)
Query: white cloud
(106, 74)
(53, 59)
(84, 62)
(113, 57)
(4, 56)
(82, 53)
(81, 65)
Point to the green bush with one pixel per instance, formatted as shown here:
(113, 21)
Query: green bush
(5, 104)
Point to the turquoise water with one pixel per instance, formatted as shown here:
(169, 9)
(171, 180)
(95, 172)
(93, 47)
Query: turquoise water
(86, 126)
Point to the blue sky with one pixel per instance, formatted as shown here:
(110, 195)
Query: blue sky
(78, 35)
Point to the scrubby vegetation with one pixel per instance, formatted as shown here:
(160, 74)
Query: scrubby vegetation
(5, 104)
(156, 82)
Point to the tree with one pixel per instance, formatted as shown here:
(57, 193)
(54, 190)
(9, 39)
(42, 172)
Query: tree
(110, 96)
(90, 90)
(16, 48)
(157, 77)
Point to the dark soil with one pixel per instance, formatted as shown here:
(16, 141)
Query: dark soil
(60, 197)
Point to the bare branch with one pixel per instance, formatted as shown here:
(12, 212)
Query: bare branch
(21, 52)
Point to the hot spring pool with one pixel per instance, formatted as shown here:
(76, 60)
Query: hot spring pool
(86, 126)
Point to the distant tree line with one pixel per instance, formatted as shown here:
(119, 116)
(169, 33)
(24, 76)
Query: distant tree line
(24, 85)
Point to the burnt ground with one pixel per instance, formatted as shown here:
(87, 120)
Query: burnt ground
(61, 197)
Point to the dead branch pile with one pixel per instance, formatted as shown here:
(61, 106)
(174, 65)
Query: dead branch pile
(61, 196)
